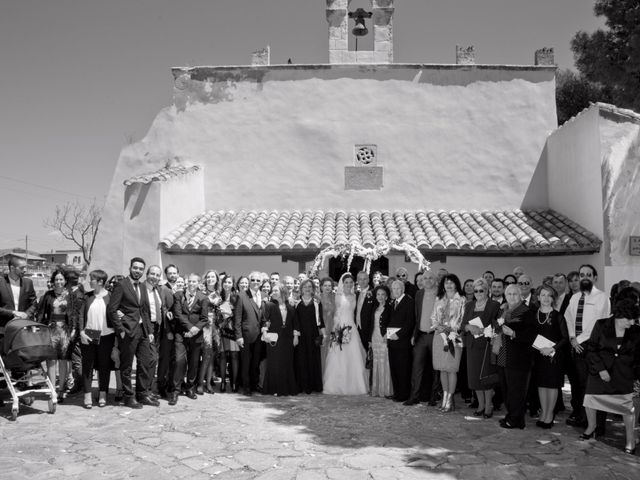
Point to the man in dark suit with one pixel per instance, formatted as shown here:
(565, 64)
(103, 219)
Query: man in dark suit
(128, 310)
(17, 295)
(190, 313)
(422, 373)
(166, 334)
(247, 322)
(364, 309)
(402, 317)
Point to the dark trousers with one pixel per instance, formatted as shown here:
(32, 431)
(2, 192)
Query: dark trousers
(514, 384)
(136, 345)
(166, 363)
(578, 373)
(98, 357)
(155, 348)
(422, 373)
(76, 359)
(187, 360)
(250, 364)
(400, 367)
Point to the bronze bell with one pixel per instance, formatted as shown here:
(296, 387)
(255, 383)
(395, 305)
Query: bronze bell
(360, 29)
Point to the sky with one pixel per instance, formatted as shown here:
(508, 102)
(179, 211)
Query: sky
(82, 78)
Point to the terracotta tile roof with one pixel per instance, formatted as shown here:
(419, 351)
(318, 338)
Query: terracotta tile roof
(162, 175)
(507, 231)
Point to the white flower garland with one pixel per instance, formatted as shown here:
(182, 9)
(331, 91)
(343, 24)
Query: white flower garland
(369, 254)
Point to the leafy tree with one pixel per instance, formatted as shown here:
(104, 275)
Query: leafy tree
(574, 93)
(611, 57)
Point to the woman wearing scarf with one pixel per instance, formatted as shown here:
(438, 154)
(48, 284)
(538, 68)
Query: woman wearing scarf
(515, 355)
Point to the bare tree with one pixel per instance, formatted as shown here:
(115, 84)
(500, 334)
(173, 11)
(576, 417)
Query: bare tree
(78, 223)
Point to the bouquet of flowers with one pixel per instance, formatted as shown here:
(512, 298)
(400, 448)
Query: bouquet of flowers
(341, 335)
(451, 340)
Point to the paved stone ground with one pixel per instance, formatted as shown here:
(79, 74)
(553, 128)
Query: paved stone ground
(229, 436)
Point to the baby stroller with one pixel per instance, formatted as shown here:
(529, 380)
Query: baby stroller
(26, 345)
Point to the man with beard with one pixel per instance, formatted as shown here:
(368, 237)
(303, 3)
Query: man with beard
(128, 310)
(497, 291)
(585, 308)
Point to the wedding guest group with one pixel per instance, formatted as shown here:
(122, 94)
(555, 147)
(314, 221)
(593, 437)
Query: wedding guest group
(509, 340)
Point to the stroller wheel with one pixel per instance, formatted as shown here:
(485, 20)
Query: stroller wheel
(14, 414)
(52, 407)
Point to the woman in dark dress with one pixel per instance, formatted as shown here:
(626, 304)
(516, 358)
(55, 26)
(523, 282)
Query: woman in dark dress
(308, 359)
(613, 357)
(279, 318)
(547, 365)
(515, 356)
(482, 374)
(53, 310)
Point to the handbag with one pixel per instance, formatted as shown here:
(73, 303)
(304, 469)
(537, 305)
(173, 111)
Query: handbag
(227, 329)
(94, 335)
(369, 360)
(488, 377)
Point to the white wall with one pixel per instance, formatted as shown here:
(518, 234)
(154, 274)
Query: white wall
(278, 138)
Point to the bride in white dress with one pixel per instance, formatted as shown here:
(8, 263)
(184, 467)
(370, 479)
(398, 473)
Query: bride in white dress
(344, 372)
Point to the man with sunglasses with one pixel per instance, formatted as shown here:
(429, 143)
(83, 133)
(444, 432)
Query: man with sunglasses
(525, 283)
(409, 288)
(247, 321)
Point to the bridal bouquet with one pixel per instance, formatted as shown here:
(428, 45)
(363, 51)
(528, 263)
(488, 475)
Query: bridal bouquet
(341, 335)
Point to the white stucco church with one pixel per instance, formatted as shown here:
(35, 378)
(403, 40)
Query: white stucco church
(261, 166)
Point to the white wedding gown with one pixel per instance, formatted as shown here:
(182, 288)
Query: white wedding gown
(344, 372)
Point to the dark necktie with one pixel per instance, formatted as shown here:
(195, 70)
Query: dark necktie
(136, 287)
(579, 315)
(395, 305)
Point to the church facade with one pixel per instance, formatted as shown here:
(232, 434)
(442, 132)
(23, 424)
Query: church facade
(261, 166)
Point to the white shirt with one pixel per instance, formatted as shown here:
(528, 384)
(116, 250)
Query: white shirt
(596, 306)
(398, 300)
(527, 300)
(361, 298)
(256, 297)
(97, 315)
(428, 301)
(15, 290)
(153, 294)
(283, 313)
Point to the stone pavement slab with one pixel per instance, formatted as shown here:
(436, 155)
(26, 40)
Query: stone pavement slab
(308, 437)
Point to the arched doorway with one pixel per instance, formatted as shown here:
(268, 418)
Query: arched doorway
(338, 266)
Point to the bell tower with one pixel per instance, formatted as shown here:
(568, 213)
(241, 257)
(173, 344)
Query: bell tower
(338, 15)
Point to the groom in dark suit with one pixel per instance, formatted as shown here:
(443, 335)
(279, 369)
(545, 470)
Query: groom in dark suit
(402, 318)
(364, 309)
(128, 310)
(247, 322)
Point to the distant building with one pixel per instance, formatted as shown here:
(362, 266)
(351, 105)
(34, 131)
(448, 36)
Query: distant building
(33, 258)
(262, 166)
(71, 258)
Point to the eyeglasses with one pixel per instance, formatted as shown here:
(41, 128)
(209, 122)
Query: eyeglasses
(401, 276)
(255, 280)
(478, 291)
(524, 283)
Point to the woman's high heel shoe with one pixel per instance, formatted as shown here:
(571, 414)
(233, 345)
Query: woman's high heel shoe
(223, 387)
(588, 436)
(488, 415)
(630, 451)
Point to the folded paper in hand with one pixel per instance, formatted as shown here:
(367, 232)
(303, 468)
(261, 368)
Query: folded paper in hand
(392, 331)
(271, 338)
(476, 322)
(542, 342)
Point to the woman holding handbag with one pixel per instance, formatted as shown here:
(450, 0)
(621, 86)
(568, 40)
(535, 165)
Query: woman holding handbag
(482, 373)
(277, 332)
(97, 338)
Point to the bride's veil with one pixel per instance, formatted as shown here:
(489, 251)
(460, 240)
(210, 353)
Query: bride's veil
(340, 295)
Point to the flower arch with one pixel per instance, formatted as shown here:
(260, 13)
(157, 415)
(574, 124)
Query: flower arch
(369, 254)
